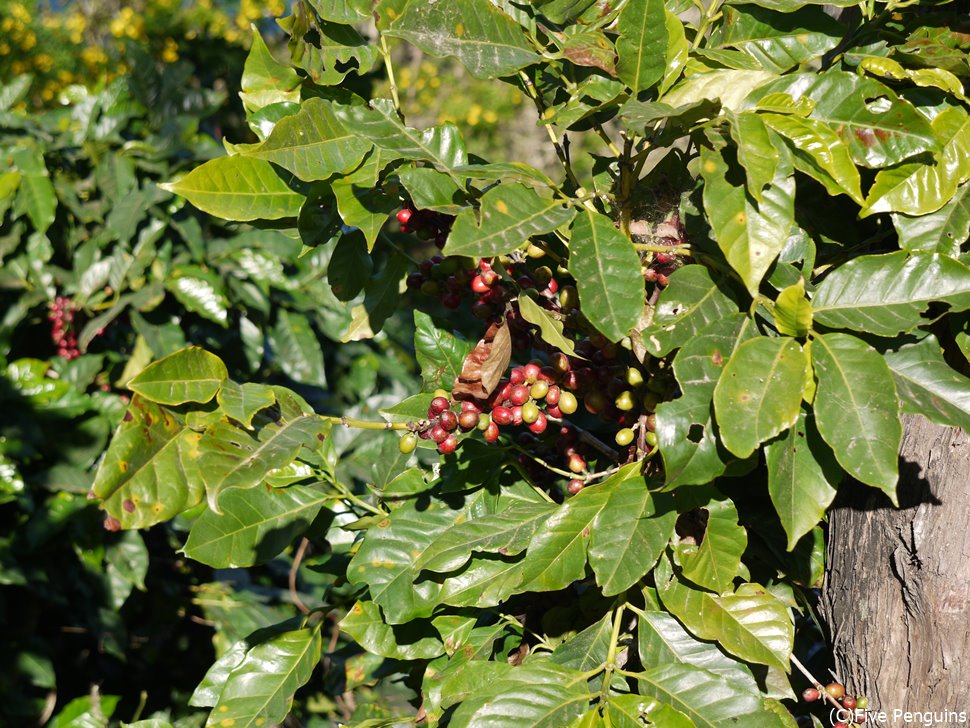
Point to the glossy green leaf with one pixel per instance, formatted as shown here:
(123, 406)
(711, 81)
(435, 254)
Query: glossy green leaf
(232, 457)
(361, 201)
(607, 271)
(312, 144)
(629, 711)
(260, 689)
(200, 291)
(588, 649)
(706, 698)
(342, 11)
(35, 194)
(486, 581)
(509, 215)
(750, 623)
(677, 51)
(629, 534)
(887, 294)
(793, 311)
(443, 145)
(266, 81)
(716, 560)
(943, 231)
(297, 350)
(433, 190)
(255, 525)
(821, 152)
(691, 302)
(662, 640)
(779, 41)
(856, 409)
(879, 128)
(928, 386)
(143, 479)
(758, 152)
(802, 477)
(483, 38)
(685, 426)
(642, 43)
(759, 393)
(919, 188)
(327, 51)
(550, 326)
(750, 235)
(417, 640)
(728, 86)
(440, 354)
(238, 188)
(242, 401)
(189, 375)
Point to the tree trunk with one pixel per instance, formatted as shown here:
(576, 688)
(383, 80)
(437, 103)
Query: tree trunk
(897, 585)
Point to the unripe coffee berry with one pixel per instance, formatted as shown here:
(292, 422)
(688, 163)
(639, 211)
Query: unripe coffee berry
(539, 390)
(530, 413)
(407, 443)
(624, 437)
(624, 401)
(576, 463)
(568, 403)
(836, 690)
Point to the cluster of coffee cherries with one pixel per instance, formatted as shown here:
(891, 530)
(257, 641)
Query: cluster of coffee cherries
(835, 690)
(426, 224)
(61, 315)
(445, 278)
(659, 265)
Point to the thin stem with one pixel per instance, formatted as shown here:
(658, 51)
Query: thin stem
(611, 665)
(294, 568)
(530, 89)
(359, 502)
(359, 424)
(818, 686)
(389, 67)
(710, 15)
(627, 181)
(543, 463)
(684, 250)
(615, 150)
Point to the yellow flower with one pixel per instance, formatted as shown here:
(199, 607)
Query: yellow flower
(44, 62)
(170, 53)
(28, 41)
(490, 117)
(4, 49)
(18, 11)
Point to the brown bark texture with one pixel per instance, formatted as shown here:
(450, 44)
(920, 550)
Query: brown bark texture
(897, 587)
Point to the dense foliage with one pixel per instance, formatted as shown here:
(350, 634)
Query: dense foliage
(642, 377)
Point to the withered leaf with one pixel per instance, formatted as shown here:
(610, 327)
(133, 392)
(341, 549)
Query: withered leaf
(485, 364)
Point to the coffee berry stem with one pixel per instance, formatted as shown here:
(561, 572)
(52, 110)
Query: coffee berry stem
(359, 424)
(588, 438)
(823, 693)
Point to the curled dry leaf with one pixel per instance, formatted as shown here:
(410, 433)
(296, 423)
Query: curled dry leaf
(485, 364)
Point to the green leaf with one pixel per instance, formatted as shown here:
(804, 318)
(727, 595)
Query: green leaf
(728, 86)
(779, 41)
(440, 354)
(143, 479)
(662, 640)
(942, 231)
(36, 191)
(297, 350)
(629, 534)
(802, 477)
(255, 525)
(126, 565)
(879, 128)
(417, 640)
(242, 401)
(750, 235)
(238, 188)
(550, 327)
(793, 312)
(716, 560)
(685, 426)
(312, 144)
(820, 153)
(260, 689)
(642, 44)
(200, 291)
(232, 457)
(678, 50)
(588, 649)
(510, 214)
(442, 145)
(342, 11)
(919, 188)
(856, 409)
(607, 271)
(888, 294)
(189, 375)
(691, 302)
(758, 152)
(628, 711)
(759, 393)
(362, 202)
(266, 81)
(327, 51)
(928, 386)
(433, 190)
(483, 38)
(750, 623)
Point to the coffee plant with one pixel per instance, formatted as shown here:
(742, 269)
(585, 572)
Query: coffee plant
(641, 384)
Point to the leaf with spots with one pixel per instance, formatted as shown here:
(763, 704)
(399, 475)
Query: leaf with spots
(510, 214)
(242, 401)
(148, 473)
(233, 457)
(189, 375)
(759, 393)
(607, 271)
(856, 409)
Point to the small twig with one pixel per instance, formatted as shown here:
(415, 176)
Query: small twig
(390, 76)
(533, 93)
(297, 559)
(49, 704)
(818, 686)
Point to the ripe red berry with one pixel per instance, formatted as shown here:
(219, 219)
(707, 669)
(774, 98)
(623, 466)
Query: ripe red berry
(849, 702)
(479, 286)
(451, 300)
(532, 372)
(574, 486)
(540, 424)
(810, 695)
(502, 415)
(468, 420)
(489, 277)
(404, 215)
(468, 406)
(439, 405)
(448, 445)
(519, 394)
(448, 420)
(836, 690)
(438, 433)
(491, 432)
(517, 414)
(517, 376)
(554, 411)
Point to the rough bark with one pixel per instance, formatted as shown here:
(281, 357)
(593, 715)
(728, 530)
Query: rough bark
(897, 587)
